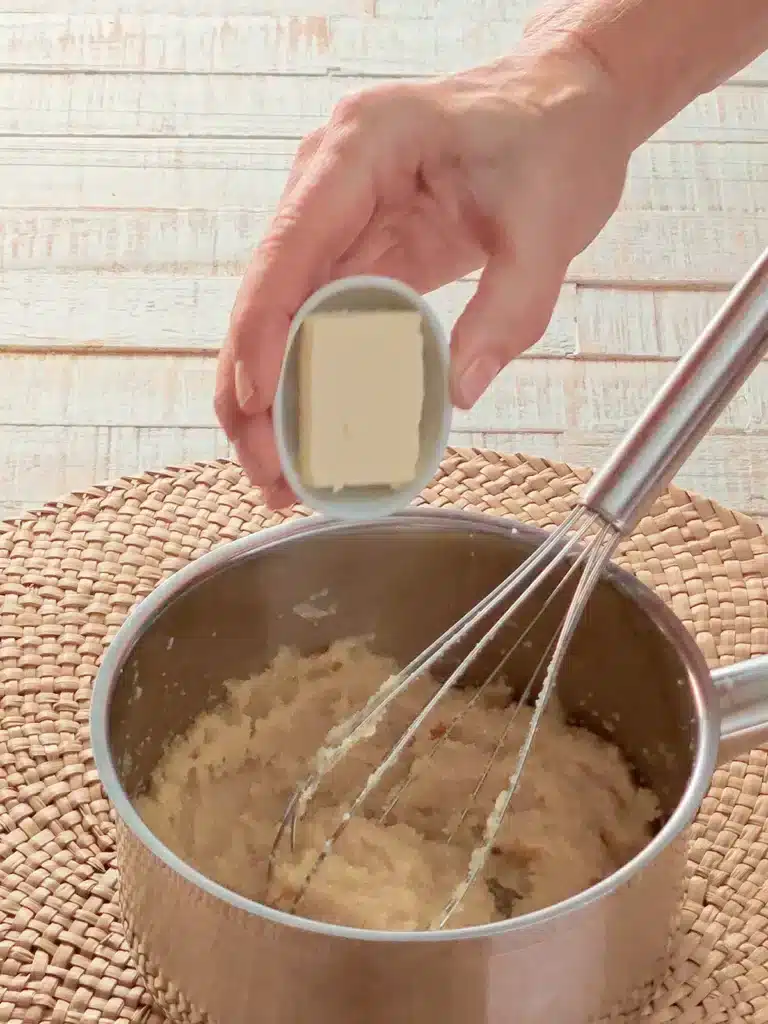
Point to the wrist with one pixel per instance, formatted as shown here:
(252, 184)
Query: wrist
(554, 75)
(585, 85)
(658, 56)
(557, 127)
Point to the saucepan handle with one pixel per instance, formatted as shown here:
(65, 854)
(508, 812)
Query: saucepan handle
(743, 692)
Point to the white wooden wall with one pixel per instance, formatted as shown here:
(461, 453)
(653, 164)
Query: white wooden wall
(141, 154)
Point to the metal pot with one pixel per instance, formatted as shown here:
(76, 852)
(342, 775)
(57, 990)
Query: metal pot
(211, 955)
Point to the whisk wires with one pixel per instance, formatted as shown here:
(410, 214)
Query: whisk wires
(537, 567)
(595, 558)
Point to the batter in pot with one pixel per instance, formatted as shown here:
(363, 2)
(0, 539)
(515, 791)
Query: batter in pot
(219, 793)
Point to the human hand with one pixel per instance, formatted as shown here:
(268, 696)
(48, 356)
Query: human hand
(514, 167)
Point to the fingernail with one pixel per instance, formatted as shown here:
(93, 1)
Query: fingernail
(476, 378)
(243, 386)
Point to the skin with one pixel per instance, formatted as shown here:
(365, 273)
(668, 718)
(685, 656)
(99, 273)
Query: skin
(514, 168)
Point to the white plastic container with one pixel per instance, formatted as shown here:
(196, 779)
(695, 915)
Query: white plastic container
(367, 294)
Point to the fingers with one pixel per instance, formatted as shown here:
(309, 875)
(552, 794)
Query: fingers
(256, 450)
(328, 200)
(232, 383)
(279, 496)
(305, 151)
(509, 312)
(224, 401)
(319, 220)
(426, 267)
(257, 453)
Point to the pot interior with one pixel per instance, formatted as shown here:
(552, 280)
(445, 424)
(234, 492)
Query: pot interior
(403, 582)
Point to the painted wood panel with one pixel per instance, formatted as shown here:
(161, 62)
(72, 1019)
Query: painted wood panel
(645, 324)
(727, 466)
(141, 154)
(125, 313)
(90, 204)
(533, 395)
(40, 462)
(179, 41)
(463, 15)
(273, 105)
(640, 247)
(45, 462)
(664, 177)
(98, 312)
(229, 8)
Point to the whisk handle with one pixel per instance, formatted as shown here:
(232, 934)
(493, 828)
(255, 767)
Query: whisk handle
(703, 382)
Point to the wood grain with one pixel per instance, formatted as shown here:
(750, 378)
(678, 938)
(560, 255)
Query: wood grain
(727, 466)
(272, 105)
(531, 394)
(141, 155)
(221, 43)
(639, 247)
(149, 313)
(148, 173)
(229, 8)
(31, 461)
(125, 313)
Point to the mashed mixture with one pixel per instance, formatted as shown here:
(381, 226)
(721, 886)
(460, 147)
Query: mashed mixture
(220, 791)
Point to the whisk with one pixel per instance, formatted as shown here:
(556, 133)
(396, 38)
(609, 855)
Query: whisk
(703, 382)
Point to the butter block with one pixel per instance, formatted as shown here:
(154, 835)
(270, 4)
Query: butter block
(361, 393)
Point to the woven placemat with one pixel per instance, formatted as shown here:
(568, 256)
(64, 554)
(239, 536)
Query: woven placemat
(69, 574)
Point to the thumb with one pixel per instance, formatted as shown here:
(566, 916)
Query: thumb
(508, 313)
(325, 211)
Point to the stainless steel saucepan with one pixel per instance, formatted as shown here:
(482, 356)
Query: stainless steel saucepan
(211, 955)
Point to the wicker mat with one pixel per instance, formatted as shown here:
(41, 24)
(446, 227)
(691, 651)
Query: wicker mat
(70, 573)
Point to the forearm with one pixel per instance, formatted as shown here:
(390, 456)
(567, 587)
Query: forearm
(661, 54)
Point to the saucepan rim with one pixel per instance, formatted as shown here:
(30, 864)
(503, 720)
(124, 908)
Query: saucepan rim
(142, 617)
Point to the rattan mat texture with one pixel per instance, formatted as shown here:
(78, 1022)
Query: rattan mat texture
(69, 574)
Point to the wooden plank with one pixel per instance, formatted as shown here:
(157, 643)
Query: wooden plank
(733, 114)
(214, 173)
(156, 391)
(144, 173)
(223, 8)
(634, 247)
(458, 12)
(136, 449)
(42, 311)
(615, 322)
(680, 177)
(10, 510)
(272, 105)
(125, 312)
(208, 44)
(318, 40)
(659, 324)
(731, 467)
(592, 397)
(670, 248)
(546, 445)
(611, 395)
(681, 317)
(94, 391)
(38, 463)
